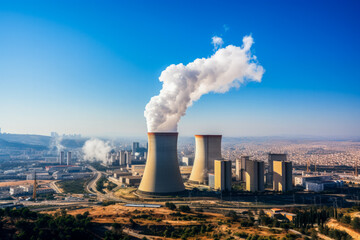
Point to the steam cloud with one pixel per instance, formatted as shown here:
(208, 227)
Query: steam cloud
(184, 84)
(96, 149)
(56, 143)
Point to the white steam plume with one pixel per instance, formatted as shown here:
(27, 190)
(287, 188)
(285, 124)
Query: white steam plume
(183, 84)
(55, 142)
(95, 150)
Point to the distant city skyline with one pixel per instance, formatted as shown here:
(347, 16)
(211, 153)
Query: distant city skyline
(90, 68)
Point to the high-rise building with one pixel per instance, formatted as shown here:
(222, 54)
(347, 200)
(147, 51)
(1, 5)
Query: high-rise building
(207, 149)
(254, 175)
(128, 157)
(282, 176)
(68, 162)
(135, 147)
(122, 158)
(240, 168)
(62, 158)
(271, 158)
(222, 172)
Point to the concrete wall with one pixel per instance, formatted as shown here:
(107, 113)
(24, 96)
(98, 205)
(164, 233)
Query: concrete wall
(222, 172)
(282, 176)
(254, 176)
(271, 158)
(162, 173)
(240, 168)
(208, 149)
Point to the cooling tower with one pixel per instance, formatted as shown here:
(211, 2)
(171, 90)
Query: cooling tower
(208, 149)
(162, 174)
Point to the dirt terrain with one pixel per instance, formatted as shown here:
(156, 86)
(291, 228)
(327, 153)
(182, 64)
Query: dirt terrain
(162, 216)
(25, 182)
(336, 225)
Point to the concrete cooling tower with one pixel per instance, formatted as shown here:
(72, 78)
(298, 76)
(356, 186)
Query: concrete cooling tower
(208, 149)
(162, 174)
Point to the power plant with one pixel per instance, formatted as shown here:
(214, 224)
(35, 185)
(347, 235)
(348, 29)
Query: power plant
(162, 174)
(208, 149)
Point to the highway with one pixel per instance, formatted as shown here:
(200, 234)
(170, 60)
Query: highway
(91, 186)
(55, 187)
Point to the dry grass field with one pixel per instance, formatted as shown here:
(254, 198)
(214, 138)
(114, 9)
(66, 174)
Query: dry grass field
(118, 213)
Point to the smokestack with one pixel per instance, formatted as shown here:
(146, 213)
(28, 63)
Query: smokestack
(208, 149)
(162, 174)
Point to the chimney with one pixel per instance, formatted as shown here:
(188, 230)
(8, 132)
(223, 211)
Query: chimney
(208, 149)
(162, 174)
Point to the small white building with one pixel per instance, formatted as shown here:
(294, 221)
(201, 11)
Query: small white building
(187, 161)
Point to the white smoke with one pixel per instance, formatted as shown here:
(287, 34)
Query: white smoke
(217, 42)
(96, 149)
(55, 142)
(183, 84)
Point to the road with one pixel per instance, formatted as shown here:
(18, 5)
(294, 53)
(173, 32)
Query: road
(282, 229)
(54, 207)
(91, 186)
(55, 187)
(138, 235)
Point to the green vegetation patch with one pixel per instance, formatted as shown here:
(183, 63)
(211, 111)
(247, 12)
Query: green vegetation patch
(74, 186)
(98, 166)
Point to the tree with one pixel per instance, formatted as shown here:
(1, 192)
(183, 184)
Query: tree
(185, 208)
(355, 223)
(170, 205)
(346, 219)
(232, 214)
(314, 235)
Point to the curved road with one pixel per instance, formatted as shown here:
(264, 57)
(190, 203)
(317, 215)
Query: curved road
(91, 186)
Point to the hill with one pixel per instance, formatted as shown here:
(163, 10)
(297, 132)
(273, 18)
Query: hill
(27, 139)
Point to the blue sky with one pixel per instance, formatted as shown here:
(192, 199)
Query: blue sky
(90, 67)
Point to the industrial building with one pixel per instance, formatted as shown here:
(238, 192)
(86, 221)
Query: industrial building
(39, 176)
(282, 176)
(131, 180)
(271, 158)
(119, 158)
(301, 180)
(222, 174)
(254, 175)
(208, 149)
(162, 174)
(119, 173)
(187, 161)
(320, 186)
(240, 168)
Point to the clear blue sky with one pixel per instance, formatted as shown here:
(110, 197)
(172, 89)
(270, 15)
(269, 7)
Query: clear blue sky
(90, 67)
